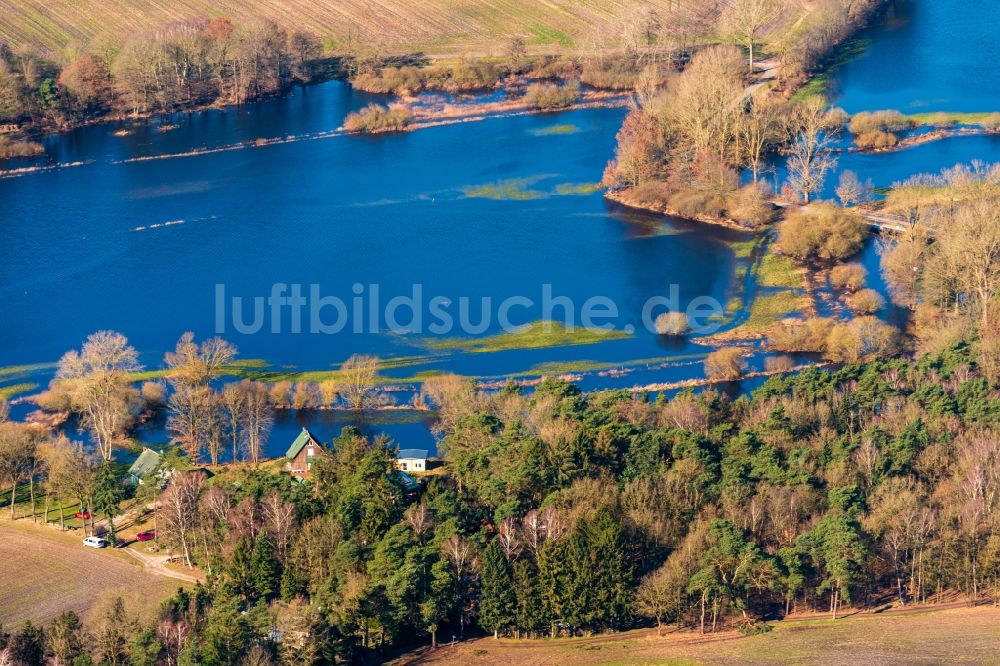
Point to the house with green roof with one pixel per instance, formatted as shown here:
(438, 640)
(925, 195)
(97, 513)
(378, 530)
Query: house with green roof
(301, 454)
(144, 465)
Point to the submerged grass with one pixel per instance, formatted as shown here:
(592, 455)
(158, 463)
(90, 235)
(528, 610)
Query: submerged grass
(744, 249)
(21, 370)
(952, 118)
(514, 189)
(553, 130)
(769, 308)
(577, 188)
(7, 392)
(778, 271)
(537, 335)
(820, 83)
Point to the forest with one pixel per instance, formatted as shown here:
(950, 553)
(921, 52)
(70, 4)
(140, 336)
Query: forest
(562, 513)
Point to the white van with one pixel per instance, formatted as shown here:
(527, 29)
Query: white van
(95, 542)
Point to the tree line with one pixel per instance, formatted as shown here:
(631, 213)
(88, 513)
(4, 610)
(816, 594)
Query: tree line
(560, 513)
(181, 65)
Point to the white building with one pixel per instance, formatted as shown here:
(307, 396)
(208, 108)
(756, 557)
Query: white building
(412, 460)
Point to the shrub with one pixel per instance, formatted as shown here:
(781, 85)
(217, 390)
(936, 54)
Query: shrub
(617, 74)
(471, 76)
(801, 336)
(752, 206)
(671, 323)
(779, 363)
(886, 121)
(14, 148)
(693, 203)
(862, 339)
(991, 123)
(823, 232)
(837, 117)
(654, 194)
(546, 96)
(866, 301)
(390, 80)
(377, 118)
(727, 363)
(875, 140)
(848, 277)
(555, 68)
(940, 120)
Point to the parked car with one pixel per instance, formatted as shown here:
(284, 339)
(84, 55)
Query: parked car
(148, 535)
(82, 515)
(95, 542)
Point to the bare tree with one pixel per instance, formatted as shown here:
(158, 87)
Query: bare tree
(234, 405)
(279, 516)
(258, 419)
(969, 250)
(194, 421)
(420, 520)
(510, 537)
(192, 364)
(180, 511)
(747, 21)
(851, 191)
(811, 159)
(656, 595)
(761, 127)
(358, 376)
(98, 387)
(18, 457)
(461, 554)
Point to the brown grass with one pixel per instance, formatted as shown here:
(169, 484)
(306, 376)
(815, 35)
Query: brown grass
(434, 26)
(920, 635)
(46, 572)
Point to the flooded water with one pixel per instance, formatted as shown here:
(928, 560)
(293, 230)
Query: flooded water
(927, 55)
(153, 228)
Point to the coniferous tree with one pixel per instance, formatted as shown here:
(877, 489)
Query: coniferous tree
(27, 646)
(263, 568)
(227, 630)
(498, 603)
(239, 575)
(108, 496)
(529, 613)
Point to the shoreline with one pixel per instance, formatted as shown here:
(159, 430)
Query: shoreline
(622, 197)
(939, 134)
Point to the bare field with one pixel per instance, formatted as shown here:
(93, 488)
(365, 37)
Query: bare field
(45, 572)
(435, 26)
(924, 635)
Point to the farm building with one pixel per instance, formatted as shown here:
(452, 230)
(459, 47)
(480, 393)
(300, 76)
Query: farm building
(301, 454)
(412, 460)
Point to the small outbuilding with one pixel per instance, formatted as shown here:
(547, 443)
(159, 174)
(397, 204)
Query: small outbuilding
(301, 454)
(144, 465)
(412, 460)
